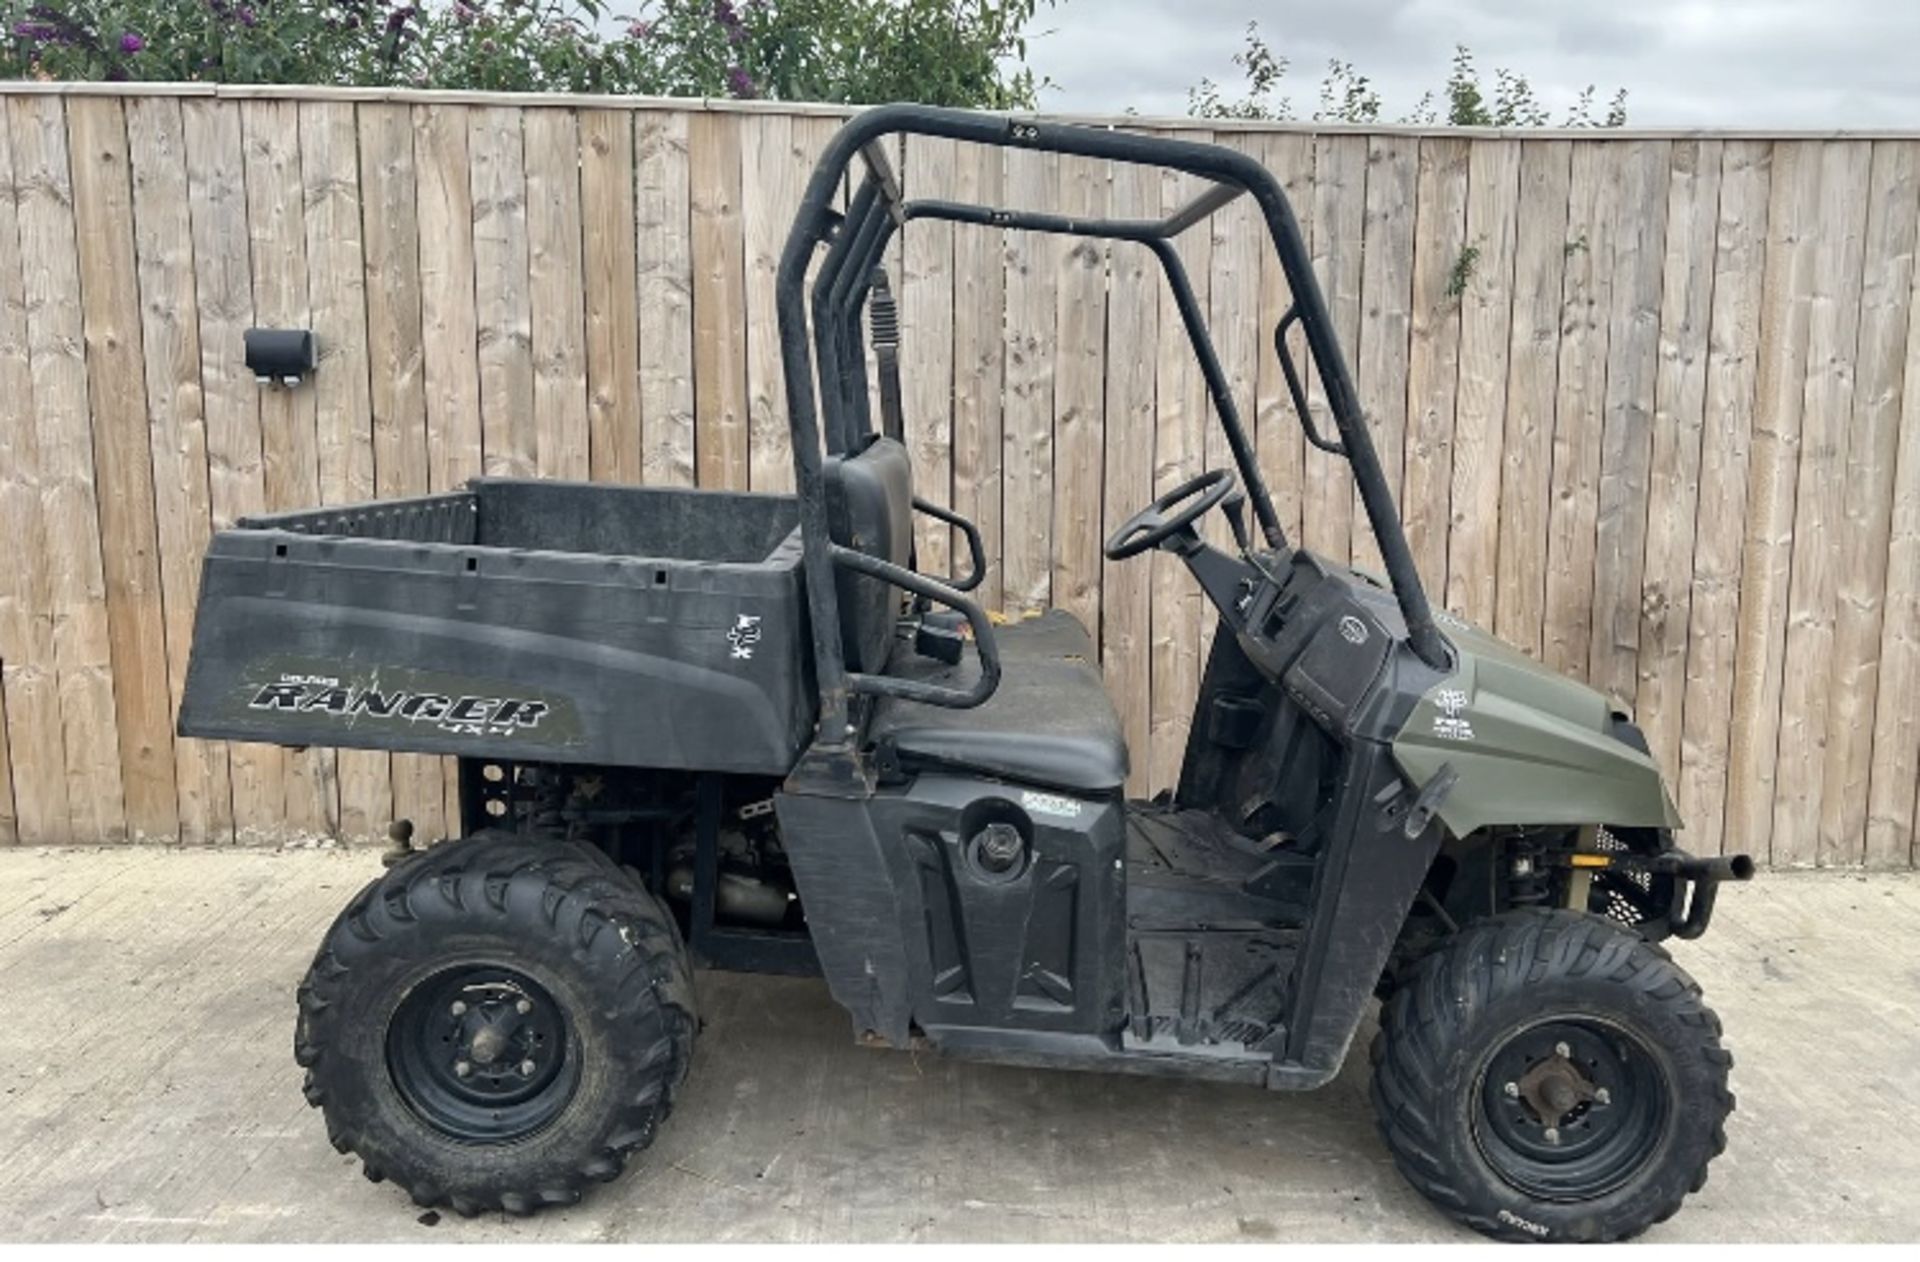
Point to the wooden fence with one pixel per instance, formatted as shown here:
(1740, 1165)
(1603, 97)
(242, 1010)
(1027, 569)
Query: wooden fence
(1641, 395)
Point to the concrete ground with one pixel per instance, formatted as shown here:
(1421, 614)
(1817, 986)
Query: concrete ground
(147, 1092)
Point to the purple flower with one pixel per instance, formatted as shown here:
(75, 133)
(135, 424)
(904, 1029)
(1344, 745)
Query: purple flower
(740, 83)
(640, 30)
(464, 13)
(131, 43)
(36, 31)
(246, 16)
(724, 14)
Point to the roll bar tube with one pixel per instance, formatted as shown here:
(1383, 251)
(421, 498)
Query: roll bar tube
(856, 241)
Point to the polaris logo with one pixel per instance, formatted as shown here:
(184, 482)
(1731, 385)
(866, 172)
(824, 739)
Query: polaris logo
(469, 715)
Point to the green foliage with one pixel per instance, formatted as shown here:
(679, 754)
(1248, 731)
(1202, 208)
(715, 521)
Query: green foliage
(1461, 275)
(1263, 69)
(1347, 96)
(947, 52)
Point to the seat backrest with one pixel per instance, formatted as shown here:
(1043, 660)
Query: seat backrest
(870, 509)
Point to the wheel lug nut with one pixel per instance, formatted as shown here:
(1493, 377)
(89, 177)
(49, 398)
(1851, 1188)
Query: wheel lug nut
(526, 1069)
(523, 1007)
(1513, 1090)
(459, 1008)
(1563, 1051)
(461, 1069)
(1552, 1135)
(1603, 1096)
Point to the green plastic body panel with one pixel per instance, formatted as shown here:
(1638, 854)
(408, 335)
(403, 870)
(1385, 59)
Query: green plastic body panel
(1529, 746)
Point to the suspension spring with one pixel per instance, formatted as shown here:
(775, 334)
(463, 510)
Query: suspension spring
(1526, 873)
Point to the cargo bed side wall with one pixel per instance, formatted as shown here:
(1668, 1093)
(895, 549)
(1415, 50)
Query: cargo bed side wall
(483, 653)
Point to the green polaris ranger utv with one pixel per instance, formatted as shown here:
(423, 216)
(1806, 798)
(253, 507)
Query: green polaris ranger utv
(743, 731)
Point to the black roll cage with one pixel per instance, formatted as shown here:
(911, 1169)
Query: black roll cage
(856, 242)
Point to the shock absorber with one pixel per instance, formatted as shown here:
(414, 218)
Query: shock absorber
(1526, 876)
(884, 317)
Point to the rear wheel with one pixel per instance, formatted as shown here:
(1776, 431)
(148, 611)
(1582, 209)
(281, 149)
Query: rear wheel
(497, 1023)
(1551, 1075)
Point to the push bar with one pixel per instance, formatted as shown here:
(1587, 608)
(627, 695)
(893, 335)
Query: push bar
(1699, 883)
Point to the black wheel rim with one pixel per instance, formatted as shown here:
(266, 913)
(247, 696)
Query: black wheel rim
(1570, 1109)
(482, 1054)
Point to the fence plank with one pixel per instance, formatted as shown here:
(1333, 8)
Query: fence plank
(397, 393)
(1896, 722)
(502, 298)
(1833, 331)
(1233, 323)
(109, 285)
(555, 288)
(612, 296)
(1766, 552)
(1179, 610)
(1026, 468)
(289, 430)
(773, 174)
(1485, 285)
(1579, 402)
(443, 185)
(1079, 394)
(1133, 331)
(1679, 416)
(1620, 521)
(69, 501)
(1433, 354)
(926, 347)
(664, 246)
(1277, 436)
(9, 817)
(721, 437)
(1526, 449)
(337, 295)
(29, 663)
(1865, 503)
(1386, 318)
(1339, 232)
(979, 360)
(1739, 260)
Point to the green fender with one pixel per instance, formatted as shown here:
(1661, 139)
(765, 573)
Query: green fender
(1529, 746)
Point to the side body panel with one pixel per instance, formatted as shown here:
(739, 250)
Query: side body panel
(913, 930)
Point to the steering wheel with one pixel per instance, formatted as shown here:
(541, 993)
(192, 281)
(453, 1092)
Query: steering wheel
(1172, 513)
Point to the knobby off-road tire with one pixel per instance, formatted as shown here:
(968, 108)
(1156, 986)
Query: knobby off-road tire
(1524, 998)
(490, 927)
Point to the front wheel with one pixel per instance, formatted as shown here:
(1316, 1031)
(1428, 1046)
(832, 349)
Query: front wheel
(1549, 1075)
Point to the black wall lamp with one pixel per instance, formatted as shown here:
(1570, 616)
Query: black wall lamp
(280, 356)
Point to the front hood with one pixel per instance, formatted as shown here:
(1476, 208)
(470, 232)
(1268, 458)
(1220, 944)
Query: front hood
(1530, 746)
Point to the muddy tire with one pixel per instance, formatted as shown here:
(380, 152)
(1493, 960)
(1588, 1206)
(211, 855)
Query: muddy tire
(497, 1024)
(1550, 1075)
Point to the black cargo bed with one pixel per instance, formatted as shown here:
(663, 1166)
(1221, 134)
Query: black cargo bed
(530, 620)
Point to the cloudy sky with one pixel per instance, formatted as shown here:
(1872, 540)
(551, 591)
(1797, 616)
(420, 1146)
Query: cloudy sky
(1748, 63)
